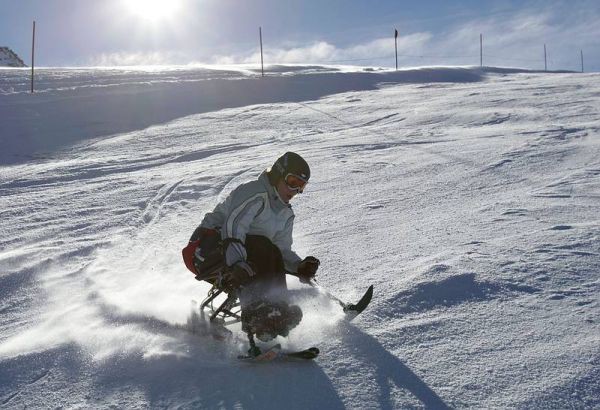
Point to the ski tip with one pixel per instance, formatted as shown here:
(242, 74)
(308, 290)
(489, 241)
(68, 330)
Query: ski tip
(307, 354)
(362, 303)
(366, 299)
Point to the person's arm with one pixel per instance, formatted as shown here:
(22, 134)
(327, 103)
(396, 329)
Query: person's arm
(306, 268)
(284, 241)
(242, 211)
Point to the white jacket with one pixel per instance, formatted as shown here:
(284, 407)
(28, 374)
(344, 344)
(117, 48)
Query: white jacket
(254, 208)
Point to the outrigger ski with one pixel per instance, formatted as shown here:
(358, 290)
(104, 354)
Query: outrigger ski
(351, 310)
(275, 353)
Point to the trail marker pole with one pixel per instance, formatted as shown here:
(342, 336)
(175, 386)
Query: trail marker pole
(545, 59)
(480, 50)
(262, 68)
(396, 46)
(581, 51)
(32, 55)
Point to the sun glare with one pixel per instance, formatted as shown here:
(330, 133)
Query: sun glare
(154, 10)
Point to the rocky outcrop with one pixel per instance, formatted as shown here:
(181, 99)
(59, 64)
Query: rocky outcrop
(9, 58)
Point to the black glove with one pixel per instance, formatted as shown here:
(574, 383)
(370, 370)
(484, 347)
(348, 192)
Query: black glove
(307, 269)
(240, 274)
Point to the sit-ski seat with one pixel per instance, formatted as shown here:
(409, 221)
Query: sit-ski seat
(210, 267)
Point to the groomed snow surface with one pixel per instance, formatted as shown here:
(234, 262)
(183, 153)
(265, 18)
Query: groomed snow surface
(470, 199)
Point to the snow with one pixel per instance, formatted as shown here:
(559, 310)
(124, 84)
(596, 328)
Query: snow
(469, 197)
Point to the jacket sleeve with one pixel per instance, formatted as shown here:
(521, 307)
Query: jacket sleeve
(242, 210)
(284, 241)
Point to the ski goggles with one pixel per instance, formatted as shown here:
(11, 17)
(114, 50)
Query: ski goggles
(295, 183)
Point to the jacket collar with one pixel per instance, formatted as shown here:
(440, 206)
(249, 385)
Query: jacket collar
(274, 198)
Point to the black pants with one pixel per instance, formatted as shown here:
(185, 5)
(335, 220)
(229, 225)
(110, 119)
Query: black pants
(269, 283)
(266, 261)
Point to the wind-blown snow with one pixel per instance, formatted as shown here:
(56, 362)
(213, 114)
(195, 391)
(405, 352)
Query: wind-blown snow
(468, 197)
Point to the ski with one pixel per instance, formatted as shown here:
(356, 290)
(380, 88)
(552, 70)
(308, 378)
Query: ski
(276, 353)
(266, 356)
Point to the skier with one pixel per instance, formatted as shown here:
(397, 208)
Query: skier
(250, 232)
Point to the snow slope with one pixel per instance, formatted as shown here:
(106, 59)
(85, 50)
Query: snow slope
(77, 104)
(469, 198)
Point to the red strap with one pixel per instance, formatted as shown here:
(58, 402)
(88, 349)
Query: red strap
(188, 256)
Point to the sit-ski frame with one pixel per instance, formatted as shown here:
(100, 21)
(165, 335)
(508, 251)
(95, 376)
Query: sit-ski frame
(228, 312)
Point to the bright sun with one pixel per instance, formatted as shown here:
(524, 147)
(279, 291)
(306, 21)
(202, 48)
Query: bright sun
(154, 10)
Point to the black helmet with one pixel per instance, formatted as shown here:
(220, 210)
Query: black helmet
(289, 163)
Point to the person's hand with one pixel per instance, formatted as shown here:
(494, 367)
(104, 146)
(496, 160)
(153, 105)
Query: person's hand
(240, 274)
(307, 269)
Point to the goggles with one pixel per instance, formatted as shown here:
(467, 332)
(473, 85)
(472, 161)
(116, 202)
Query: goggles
(295, 183)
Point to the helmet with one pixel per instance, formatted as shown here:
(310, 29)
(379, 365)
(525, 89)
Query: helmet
(289, 163)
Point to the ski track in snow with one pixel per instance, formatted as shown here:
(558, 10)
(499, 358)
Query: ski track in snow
(470, 201)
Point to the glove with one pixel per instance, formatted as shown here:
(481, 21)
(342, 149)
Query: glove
(307, 269)
(241, 274)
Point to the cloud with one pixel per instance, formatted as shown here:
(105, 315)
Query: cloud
(511, 38)
(517, 39)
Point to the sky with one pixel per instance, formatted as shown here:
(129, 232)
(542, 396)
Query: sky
(361, 32)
